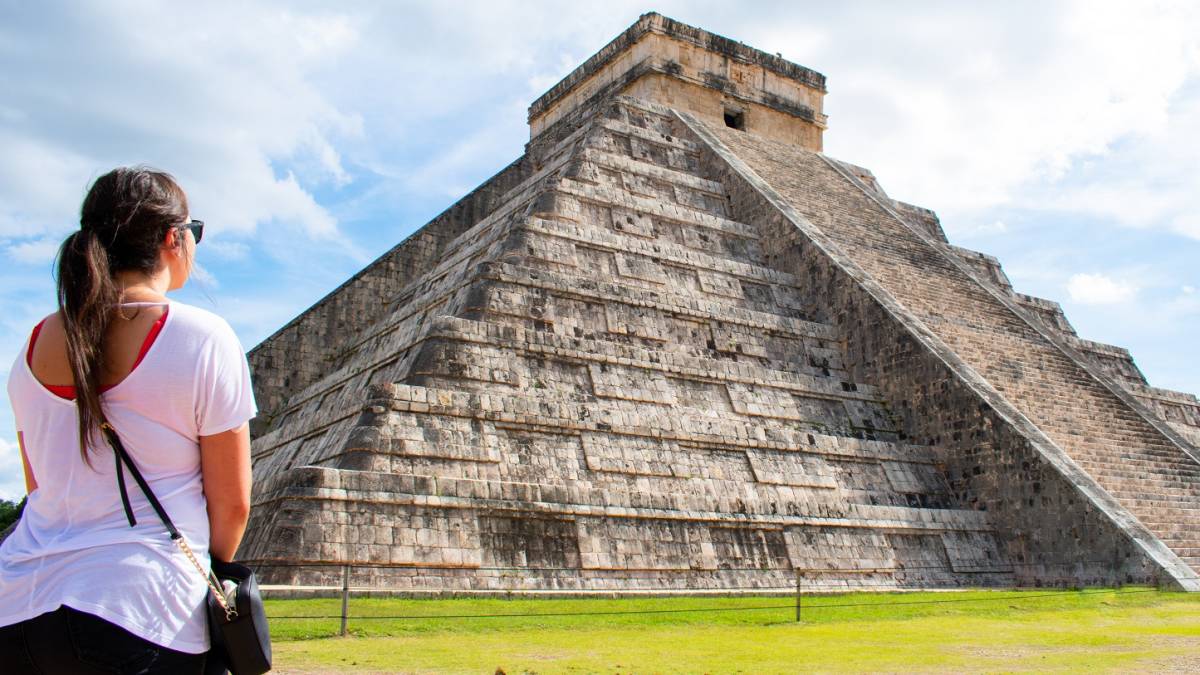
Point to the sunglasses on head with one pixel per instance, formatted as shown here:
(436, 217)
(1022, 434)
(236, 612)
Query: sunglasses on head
(197, 228)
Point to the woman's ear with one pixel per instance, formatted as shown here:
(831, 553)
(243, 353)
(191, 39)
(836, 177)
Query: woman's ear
(172, 240)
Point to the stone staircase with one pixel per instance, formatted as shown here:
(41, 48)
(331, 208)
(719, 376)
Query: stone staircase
(1180, 411)
(605, 385)
(1108, 435)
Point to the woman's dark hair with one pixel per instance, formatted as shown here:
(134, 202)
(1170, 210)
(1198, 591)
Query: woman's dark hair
(122, 224)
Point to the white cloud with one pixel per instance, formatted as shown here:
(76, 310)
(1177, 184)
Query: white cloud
(1098, 289)
(227, 249)
(35, 252)
(444, 174)
(41, 184)
(202, 275)
(1030, 90)
(1149, 182)
(216, 96)
(985, 228)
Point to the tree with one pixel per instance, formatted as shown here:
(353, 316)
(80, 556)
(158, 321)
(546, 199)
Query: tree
(10, 512)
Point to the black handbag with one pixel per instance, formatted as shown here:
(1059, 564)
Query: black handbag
(237, 630)
(240, 636)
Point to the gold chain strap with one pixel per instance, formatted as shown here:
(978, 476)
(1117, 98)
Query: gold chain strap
(230, 611)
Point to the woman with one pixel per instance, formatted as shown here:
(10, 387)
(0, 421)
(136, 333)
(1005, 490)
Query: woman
(81, 589)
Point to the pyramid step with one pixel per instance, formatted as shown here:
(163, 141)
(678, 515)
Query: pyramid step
(1119, 469)
(625, 165)
(1168, 488)
(1159, 517)
(624, 199)
(1151, 508)
(1170, 536)
(1136, 493)
(652, 136)
(1137, 445)
(1140, 459)
(680, 424)
(1176, 536)
(436, 294)
(718, 336)
(607, 169)
(661, 301)
(732, 321)
(1137, 490)
(1177, 539)
(1178, 526)
(643, 274)
(725, 351)
(659, 252)
(638, 365)
(681, 448)
(664, 325)
(582, 502)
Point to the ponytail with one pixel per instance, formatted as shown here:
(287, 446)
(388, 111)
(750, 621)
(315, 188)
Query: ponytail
(86, 294)
(124, 218)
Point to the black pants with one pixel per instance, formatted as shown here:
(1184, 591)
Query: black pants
(69, 641)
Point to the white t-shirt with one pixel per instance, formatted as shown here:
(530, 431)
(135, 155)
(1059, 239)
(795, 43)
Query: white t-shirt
(73, 545)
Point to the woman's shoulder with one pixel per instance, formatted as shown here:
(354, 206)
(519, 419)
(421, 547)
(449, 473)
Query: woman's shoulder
(52, 321)
(200, 323)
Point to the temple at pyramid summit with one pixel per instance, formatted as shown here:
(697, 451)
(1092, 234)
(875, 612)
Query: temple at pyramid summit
(675, 346)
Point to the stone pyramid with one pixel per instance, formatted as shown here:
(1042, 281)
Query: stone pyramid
(674, 346)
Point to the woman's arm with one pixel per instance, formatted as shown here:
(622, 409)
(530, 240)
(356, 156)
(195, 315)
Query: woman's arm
(225, 470)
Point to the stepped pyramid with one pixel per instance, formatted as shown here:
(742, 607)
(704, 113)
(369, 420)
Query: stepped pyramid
(674, 346)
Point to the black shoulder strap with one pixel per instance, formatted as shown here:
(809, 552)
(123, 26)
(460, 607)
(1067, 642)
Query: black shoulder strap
(123, 457)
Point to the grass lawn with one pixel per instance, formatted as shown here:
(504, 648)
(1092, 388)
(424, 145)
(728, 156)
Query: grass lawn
(1131, 630)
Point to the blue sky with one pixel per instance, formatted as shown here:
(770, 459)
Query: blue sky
(1062, 137)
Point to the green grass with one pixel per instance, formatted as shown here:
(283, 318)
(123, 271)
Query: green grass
(1101, 631)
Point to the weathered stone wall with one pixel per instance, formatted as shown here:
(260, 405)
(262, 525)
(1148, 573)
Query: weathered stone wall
(921, 218)
(307, 347)
(663, 61)
(626, 397)
(659, 354)
(661, 86)
(639, 373)
(317, 415)
(1040, 503)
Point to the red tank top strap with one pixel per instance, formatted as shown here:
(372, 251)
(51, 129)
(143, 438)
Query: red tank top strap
(151, 336)
(67, 390)
(33, 339)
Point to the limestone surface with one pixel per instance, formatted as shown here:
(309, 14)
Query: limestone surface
(674, 346)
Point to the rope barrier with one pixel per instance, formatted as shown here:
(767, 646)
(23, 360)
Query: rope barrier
(1009, 598)
(814, 575)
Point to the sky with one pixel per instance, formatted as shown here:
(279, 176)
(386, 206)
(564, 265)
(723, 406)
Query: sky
(1062, 137)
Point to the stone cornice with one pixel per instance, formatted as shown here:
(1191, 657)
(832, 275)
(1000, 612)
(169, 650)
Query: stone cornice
(657, 23)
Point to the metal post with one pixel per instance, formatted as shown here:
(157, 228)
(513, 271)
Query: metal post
(799, 604)
(345, 596)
